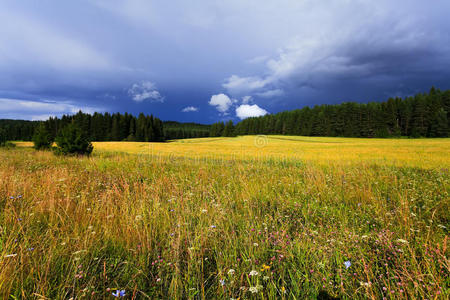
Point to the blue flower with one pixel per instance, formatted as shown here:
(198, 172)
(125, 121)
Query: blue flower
(119, 293)
(20, 196)
(30, 249)
(11, 197)
(19, 219)
(347, 264)
(213, 226)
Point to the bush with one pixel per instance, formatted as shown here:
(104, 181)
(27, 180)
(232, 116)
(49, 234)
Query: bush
(73, 140)
(42, 138)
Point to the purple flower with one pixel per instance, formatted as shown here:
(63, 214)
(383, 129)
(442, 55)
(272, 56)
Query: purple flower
(119, 293)
(11, 197)
(347, 264)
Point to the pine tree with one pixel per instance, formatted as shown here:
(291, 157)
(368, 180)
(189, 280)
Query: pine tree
(73, 140)
(42, 138)
(228, 130)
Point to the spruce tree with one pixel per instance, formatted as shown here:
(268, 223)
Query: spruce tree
(42, 138)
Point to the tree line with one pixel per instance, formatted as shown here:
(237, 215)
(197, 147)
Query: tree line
(423, 115)
(108, 127)
(176, 130)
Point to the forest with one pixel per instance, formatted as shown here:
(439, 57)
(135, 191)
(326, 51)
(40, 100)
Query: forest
(422, 115)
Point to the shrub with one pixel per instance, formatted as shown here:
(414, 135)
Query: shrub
(73, 140)
(42, 138)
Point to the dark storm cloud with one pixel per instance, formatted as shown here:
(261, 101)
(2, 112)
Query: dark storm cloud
(162, 58)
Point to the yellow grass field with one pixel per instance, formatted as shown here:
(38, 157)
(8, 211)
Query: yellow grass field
(251, 217)
(423, 153)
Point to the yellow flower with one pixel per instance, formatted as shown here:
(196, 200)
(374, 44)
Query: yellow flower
(265, 267)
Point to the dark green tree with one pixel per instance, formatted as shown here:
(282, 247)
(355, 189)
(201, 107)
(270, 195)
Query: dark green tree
(3, 137)
(228, 130)
(73, 140)
(42, 138)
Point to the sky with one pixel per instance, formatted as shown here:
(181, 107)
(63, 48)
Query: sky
(209, 60)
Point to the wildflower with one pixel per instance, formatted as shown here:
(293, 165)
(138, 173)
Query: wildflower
(265, 267)
(158, 280)
(119, 293)
(11, 197)
(402, 241)
(213, 226)
(283, 289)
(204, 211)
(231, 272)
(253, 273)
(265, 278)
(255, 289)
(347, 264)
(20, 196)
(30, 249)
(255, 244)
(222, 282)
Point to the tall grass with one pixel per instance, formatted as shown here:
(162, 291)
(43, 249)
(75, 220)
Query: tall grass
(161, 226)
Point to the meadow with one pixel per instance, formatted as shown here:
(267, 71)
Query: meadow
(252, 217)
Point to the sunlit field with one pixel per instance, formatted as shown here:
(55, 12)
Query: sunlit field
(251, 217)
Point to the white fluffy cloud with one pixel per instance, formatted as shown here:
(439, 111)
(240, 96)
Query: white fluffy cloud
(246, 111)
(190, 109)
(221, 101)
(145, 90)
(35, 110)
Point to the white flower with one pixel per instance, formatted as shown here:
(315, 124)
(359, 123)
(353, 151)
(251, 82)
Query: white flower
(231, 272)
(253, 273)
(204, 211)
(255, 289)
(266, 278)
(255, 244)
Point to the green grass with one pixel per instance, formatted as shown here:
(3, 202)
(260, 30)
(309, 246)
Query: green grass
(173, 227)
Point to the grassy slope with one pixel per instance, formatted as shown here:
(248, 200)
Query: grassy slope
(172, 224)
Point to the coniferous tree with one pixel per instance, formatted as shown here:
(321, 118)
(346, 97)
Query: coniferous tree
(73, 140)
(3, 137)
(228, 130)
(42, 138)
